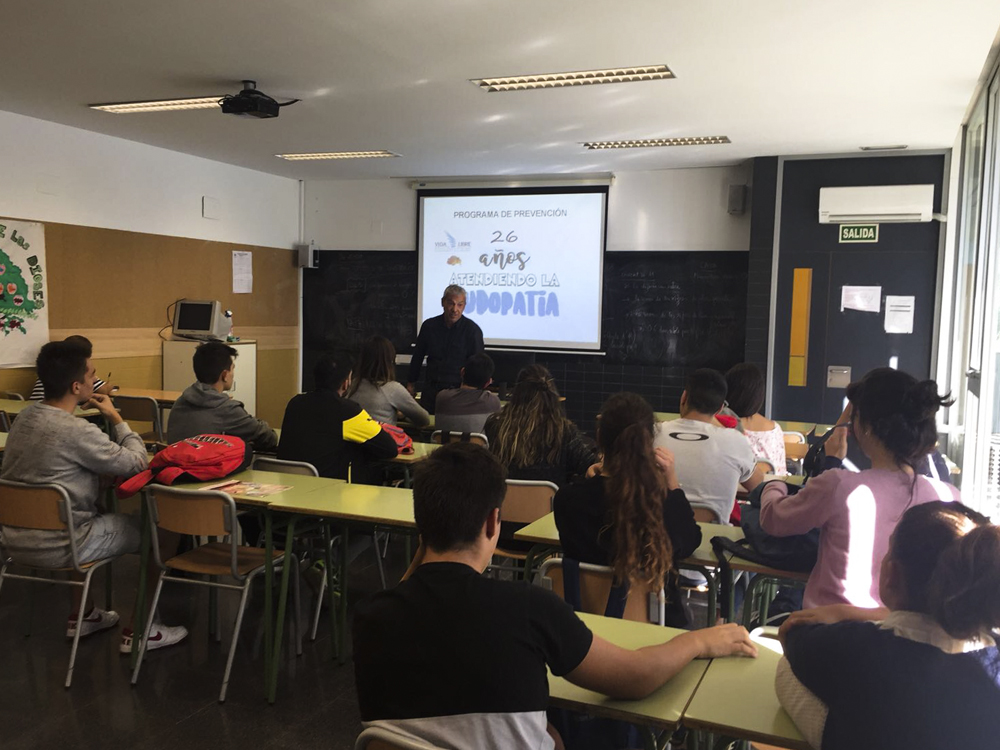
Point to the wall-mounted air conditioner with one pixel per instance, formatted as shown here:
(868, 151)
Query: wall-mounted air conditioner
(882, 204)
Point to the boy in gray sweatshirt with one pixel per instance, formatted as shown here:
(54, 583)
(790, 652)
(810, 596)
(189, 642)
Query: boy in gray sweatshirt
(47, 444)
(204, 407)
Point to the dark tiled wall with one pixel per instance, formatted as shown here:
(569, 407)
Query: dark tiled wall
(587, 381)
(765, 186)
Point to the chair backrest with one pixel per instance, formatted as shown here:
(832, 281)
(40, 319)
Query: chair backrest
(765, 465)
(4, 422)
(11, 395)
(706, 515)
(794, 437)
(595, 587)
(443, 437)
(379, 738)
(193, 513)
(33, 506)
(140, 409)
(266, 463)
(527, 501)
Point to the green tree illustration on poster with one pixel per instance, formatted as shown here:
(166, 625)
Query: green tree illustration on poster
(15, 303)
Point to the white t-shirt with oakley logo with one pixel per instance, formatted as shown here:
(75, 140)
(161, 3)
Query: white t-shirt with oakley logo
(710, 461)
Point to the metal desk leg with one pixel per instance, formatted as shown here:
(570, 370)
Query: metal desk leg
(331, 588)
(268, 598)
(139, 614)
(286, 566)
(342, 604)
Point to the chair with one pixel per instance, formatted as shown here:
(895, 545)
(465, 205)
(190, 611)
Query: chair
(765, 465)
(141, 409)
(379, 738)
(642, 605)
(443, 437)
(794, 437)
(302, 468)
(4, 422)
(525, 502)
(206, 513)
(46, 507)
(11, 395)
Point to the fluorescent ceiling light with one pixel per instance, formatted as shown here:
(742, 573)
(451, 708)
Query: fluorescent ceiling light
(707, 140)
(883, 148)
(337, 155)
(163, 105)
(578, 78)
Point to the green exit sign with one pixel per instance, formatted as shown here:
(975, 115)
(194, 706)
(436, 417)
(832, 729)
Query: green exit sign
(859, 232)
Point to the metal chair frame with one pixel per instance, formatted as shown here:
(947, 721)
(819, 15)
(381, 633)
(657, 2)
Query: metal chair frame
(126, 404)
(545, 581)
(442, 437)
(230, 525)
(84, 569)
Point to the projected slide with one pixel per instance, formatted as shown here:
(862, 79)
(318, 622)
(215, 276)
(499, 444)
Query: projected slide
(531, 265)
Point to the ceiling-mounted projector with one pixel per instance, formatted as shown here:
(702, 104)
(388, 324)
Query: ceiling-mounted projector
(252, 103)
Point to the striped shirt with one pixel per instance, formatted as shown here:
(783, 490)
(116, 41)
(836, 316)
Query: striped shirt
(38, 391)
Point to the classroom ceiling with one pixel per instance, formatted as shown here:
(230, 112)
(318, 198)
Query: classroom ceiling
(776, 76)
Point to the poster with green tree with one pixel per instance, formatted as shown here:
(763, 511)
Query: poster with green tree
(24, 322)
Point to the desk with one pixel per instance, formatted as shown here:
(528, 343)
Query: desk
(407, 461)
(791, 426)
(663, 709)
(3, 441)
(299, 485)
(737, 698)
(665, 416)
(163, 398)
(13, 407)
(796, 451)
(544, 534)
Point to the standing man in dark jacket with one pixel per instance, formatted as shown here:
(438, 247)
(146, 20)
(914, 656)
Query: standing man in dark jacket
(447, 341)
(332, 433)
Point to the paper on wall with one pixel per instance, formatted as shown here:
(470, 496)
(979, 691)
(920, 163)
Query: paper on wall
(863, 298)
(899, 314)
(242, 272)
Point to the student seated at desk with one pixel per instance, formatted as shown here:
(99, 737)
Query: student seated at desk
(465, 409)
(100, 386)
(48, 445)
(457, 659)
(374, 387)
(745, 395)
(332, 433)
(891, 415)
(712, 461)
(532, 437)
(205, 409)
(632, 515)
(921, 672)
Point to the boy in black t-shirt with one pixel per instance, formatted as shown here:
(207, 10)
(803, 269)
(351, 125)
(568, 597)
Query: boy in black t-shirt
(457, 659)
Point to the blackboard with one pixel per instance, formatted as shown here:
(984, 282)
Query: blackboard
(353, 295)
(683, 309)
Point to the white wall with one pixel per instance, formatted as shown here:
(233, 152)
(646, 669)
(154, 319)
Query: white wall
(51, 172)
(676, 209)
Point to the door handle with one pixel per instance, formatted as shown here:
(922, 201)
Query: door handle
(973, 374)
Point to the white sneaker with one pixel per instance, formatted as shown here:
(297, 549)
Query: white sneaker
(97, 620)
(160, 636)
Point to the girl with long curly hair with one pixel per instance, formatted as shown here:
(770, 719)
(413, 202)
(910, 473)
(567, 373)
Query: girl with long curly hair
(632, 515)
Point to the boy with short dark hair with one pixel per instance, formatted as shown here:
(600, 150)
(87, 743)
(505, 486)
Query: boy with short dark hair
(459, 660)
(711, 461)
(466, 408)
(100, 386)
(204, 408)
(47, 444)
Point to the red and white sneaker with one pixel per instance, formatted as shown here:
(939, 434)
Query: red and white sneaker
(94, 621)
(160, 636)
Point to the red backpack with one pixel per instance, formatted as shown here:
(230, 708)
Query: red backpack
(195, 459)
(404, 443)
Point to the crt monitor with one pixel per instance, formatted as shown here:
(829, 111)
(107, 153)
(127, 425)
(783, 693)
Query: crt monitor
(201, 319)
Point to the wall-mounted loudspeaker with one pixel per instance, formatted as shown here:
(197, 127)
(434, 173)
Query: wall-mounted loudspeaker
(305, 256)
(738, 199)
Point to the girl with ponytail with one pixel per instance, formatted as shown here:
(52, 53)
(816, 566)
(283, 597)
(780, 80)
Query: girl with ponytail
(633, 516)
(891, 415)
(921, 672)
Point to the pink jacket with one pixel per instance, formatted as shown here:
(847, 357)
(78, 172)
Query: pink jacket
(856, 513)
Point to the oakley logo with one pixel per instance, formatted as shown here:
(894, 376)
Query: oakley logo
(688, 437)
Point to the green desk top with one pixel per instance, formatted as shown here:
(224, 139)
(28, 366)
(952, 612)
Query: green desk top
(788, 478)
(792, 426)
(13, 407)
(3, 441)
(666, 416)
(661, 709)
(737, 698)
(300, 485)
(420, 452)
(388, 506)
(543, 531)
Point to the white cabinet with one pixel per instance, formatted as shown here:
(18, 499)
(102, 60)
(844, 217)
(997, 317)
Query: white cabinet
(178, 370)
